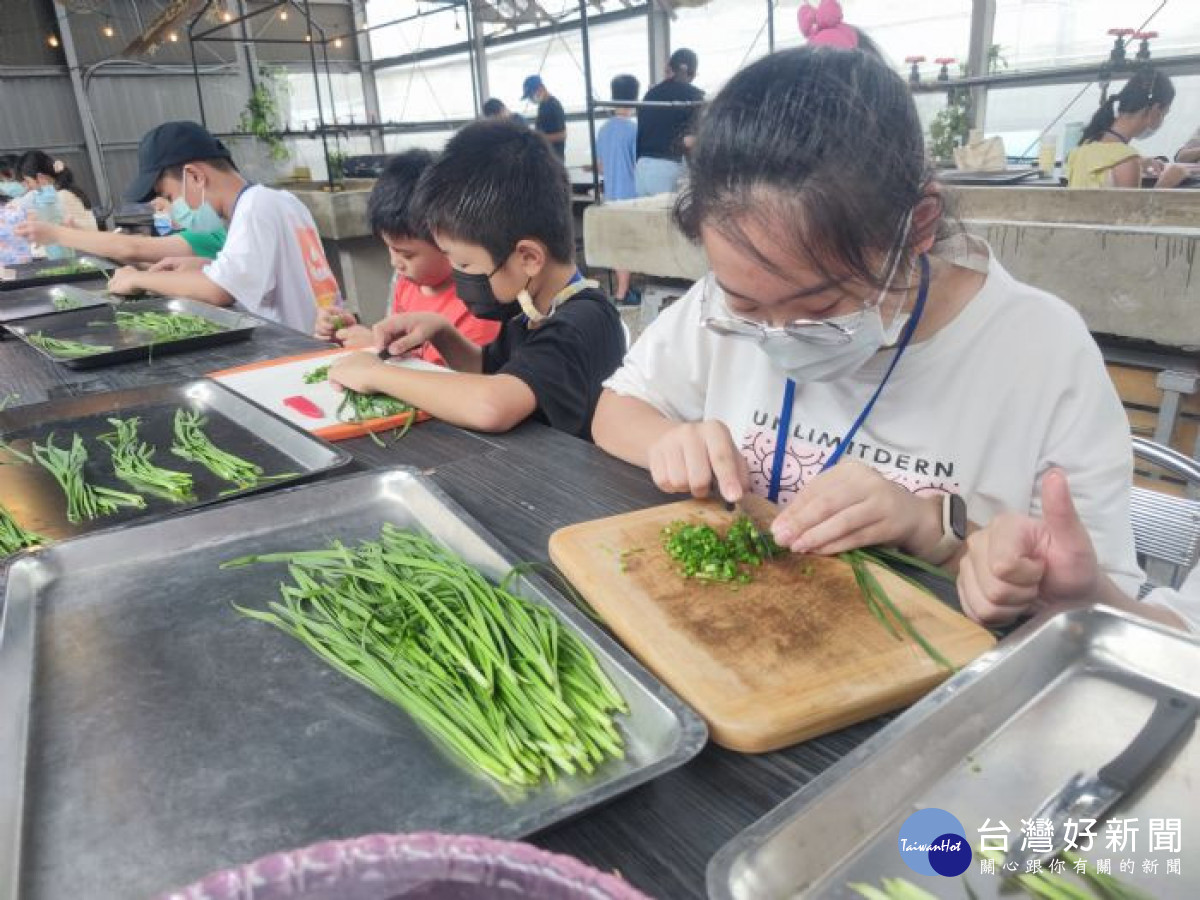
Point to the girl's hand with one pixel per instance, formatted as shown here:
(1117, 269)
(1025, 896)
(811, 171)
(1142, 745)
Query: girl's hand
(358, 372)
(1017, 563)
(852, 506)
(406, 332)
(125, 281)
(689, 457)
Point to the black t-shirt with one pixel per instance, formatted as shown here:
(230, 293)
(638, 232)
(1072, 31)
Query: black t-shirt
(551, 119)
(565, 360)
(661, 130)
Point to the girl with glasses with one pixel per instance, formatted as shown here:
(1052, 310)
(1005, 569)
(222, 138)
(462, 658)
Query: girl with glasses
(850, 355)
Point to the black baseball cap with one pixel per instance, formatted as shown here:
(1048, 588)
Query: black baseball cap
(171, 144)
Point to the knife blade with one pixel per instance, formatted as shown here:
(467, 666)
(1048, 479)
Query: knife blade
(1092, 796)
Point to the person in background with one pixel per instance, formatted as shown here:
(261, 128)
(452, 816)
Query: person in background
(135, 249)
(664, 132)
(498, 203)
(850, 356)
(422, 282)
(38, 170)
(551, 118)
(494, 108)
(272, 263)
(616, 156)
(1189, 153)
(1106, 157)
(1019, 564)
(10, 185)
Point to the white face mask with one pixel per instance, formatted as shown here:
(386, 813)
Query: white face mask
(806, 361)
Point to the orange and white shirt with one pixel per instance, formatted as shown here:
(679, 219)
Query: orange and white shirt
(273, 263)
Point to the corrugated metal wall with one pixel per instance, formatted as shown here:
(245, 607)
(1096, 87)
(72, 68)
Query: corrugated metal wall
(127, 98)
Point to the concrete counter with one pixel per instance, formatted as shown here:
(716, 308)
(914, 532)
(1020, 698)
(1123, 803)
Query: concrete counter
(1127, 260)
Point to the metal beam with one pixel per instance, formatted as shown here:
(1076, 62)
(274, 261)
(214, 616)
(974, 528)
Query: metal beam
(83, 107)
(502, 40)
(1172, 65)
(479, 39)
(658, 35)
(983, 21)
(585, 40)
(369, 87)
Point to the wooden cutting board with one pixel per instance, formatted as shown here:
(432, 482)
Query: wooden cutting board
(792, 655)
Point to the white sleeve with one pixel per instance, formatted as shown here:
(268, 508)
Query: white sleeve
(1184, 602)
(1089, 439)
(246, 266)
(667, 366)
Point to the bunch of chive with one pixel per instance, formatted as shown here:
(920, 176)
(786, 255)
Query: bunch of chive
(84, 500)
(133, 462)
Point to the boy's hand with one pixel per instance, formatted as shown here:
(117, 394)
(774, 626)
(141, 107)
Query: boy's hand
(37, 232)
(125, 281)
(852, 505)
(1017, 562)
(357, 372)
(341, 327)
(406, 332)
(179, 263)
(689, 457)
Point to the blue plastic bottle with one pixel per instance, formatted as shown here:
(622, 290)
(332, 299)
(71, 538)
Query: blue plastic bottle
(45, 204)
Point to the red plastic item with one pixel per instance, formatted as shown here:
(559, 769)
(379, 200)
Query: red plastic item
(1145, 35)
(304, 406)
(945, 60)
(914, 59)
(1120, 32)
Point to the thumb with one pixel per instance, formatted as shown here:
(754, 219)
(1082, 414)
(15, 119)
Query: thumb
(1058, 509)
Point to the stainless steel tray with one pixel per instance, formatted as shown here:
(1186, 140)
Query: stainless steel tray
(29, 275)
(34, 499)
(1062, 695)
(98, 326)
(39, 301)
(151, 734)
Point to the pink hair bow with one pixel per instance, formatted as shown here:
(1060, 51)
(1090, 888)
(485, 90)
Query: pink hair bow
(823, 26)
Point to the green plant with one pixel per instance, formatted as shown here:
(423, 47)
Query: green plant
(950, 127)
(261, 117)
(337, 165)
(996, 60)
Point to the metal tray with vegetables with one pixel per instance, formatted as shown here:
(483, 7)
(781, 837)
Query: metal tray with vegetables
(310, 664)
(55, 271)
(136, 329)
(1053, 707)
(74, 466)
(50, 299)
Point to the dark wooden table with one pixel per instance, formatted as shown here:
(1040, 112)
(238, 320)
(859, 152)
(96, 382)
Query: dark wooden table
(522, 486)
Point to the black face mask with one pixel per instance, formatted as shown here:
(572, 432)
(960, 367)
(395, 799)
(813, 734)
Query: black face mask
(475, 291)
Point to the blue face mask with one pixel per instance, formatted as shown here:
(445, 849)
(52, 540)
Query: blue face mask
(202, 219)
(12, 189)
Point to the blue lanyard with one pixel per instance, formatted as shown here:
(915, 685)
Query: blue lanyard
(238, 199)
(789, 395)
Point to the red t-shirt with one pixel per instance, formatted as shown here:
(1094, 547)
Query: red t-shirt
(408, 297)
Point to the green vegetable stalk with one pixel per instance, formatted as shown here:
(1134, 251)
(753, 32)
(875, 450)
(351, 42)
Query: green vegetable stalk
(84, 500)
(72, 269)
(359, 408)
(13, 537)
(65, 349)
(494, 678)
(317, 375)
(133, 462)
(166, 326)
(192, 444)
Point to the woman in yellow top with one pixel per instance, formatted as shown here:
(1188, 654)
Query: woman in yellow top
(1105, 158)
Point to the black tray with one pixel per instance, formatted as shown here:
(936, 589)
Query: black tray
(29, 275)
(39, 301)
(35, 501)
(98, 326)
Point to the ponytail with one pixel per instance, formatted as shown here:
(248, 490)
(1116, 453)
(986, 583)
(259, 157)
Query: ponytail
(1145, 89)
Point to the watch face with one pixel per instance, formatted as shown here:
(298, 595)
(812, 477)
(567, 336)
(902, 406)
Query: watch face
(958, 516)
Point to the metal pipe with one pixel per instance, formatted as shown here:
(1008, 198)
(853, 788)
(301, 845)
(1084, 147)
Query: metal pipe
(587, 87)
(649, 104)
(770, 26)
(1066, 75)
(195, 64)
(312, 52)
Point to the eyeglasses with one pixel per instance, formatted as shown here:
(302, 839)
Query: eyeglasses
(827, 332)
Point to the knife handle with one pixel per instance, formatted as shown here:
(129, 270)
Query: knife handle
(1173, 717)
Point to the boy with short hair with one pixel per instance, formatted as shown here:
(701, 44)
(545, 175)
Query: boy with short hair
(272, 263)
(422, 282)
(499, 205)
(616, 152)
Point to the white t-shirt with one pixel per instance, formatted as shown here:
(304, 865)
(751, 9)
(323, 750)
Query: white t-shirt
(272, 262)
(1011, 386)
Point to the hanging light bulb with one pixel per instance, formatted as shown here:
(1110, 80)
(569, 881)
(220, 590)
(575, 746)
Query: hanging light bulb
(283, 15)
(52, 40)
(337, 43)
(107, 30)
(226, 16)
(173, 37)
(308, 38)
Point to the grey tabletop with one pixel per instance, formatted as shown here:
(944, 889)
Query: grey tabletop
(522, 486)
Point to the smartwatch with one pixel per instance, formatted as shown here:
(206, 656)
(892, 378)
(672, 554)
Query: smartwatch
(954, 529)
